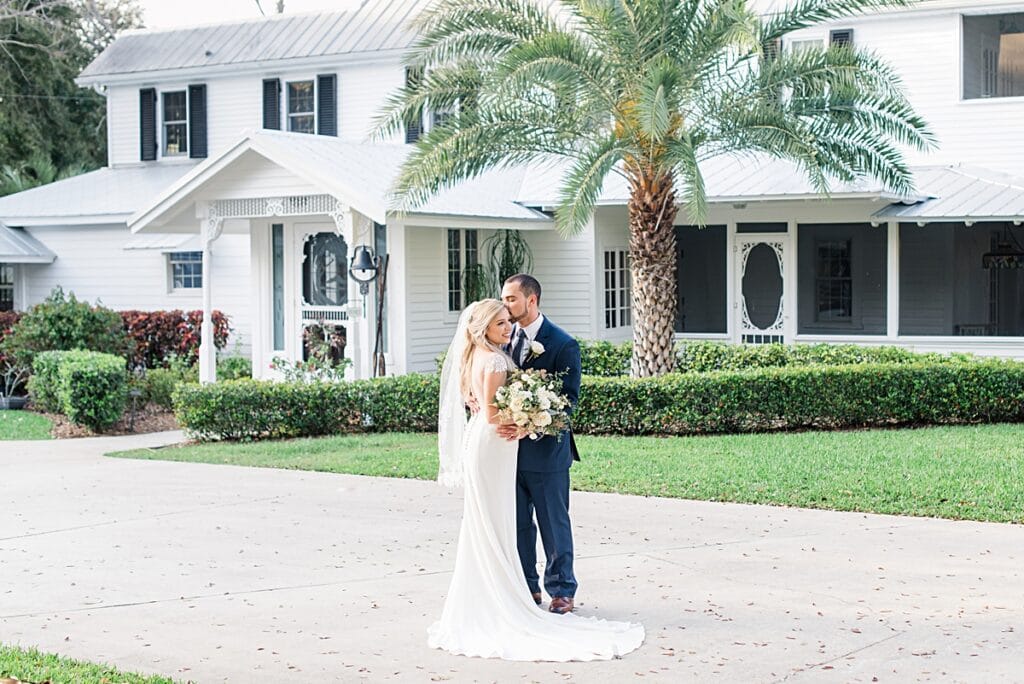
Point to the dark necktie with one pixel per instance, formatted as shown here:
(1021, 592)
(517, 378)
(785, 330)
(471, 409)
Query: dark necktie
(517, 348)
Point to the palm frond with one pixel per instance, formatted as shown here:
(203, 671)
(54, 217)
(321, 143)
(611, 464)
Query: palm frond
(801, 14)
(582, 185)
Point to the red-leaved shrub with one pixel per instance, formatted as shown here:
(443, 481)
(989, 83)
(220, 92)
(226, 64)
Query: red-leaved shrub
(158, 334)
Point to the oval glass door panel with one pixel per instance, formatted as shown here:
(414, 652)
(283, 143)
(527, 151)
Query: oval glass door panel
(762, 286)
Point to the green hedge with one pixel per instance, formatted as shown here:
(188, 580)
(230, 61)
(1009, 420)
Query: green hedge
(90, 388)
(251, 409)
(612, 360)
(678, 404)
(804, 397)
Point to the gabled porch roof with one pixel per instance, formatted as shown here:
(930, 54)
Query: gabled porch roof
(18, 247)
(357, 174)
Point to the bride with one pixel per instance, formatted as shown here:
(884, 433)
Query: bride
(489, 611)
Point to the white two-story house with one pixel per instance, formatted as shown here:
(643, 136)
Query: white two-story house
(241, 178)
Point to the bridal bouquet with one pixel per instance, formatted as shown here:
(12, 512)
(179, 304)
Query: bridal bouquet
(531, 400)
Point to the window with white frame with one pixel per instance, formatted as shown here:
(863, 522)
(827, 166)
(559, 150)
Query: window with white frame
(174, 110)
(186, 270)
(301, 107)
(6, 287)
(993, 55)
(618, 311)
(462, 252)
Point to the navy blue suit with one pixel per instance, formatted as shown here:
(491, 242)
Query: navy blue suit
(542, 481)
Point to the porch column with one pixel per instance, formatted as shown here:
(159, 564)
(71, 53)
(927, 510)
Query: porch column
(210, 231)
(892, 281)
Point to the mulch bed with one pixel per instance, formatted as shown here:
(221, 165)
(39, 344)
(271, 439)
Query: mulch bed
(148, 418)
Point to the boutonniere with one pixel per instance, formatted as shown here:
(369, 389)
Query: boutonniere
(536, 349)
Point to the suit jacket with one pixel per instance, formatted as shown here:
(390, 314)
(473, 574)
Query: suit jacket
(561, 355)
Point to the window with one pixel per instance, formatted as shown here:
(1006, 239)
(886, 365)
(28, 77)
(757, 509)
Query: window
(834, 282)
(618, 311)
(325, 270)
(186, 270)
(462, 254)
(277, 284)
(175, 117)
(993, 58)
(6, 287)
(301, 107)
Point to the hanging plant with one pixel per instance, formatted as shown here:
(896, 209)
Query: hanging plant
(477, 282)
(508, 253)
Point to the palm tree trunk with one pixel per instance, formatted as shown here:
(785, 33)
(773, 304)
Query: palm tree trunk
(652, 250)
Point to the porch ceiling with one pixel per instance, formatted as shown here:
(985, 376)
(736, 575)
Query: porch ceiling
(18, 247)
(957, 193)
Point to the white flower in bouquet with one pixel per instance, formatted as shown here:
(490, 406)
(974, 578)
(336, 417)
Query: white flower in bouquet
(541, 418)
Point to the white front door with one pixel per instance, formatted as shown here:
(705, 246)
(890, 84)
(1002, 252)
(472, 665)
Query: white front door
(761, 315)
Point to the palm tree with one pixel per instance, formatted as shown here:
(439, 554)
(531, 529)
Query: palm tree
(647, 89)
(38, 170)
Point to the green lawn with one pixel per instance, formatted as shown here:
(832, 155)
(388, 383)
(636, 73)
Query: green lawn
(29, 665)
(24, 425)
(963, 472)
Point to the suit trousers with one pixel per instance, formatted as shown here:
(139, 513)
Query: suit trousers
(547, 495)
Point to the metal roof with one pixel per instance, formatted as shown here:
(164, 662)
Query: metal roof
(958, 193)
(376, 25)
(360, 174)
(727, 179)
(106, 195)
(18, 247)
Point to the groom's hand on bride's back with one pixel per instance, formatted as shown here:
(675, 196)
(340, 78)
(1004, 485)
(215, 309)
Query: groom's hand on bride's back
(473, 405)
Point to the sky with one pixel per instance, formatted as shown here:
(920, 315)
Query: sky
(169, 13)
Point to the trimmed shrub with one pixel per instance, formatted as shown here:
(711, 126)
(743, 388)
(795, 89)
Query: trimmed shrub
(158, 335)
(158, 386)
(42, 386)
(604, 359)
(678, 404)
(64, 323)
(234, 368)
(90, 388)
(705, 357)
(803, 397)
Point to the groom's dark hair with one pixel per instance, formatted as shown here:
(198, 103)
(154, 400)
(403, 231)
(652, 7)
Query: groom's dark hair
(527, 283)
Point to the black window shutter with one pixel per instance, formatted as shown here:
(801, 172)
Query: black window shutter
(327, 104)
(197, 121)
(272, 103)
(147, 124)
(414, 126)
(841, 37)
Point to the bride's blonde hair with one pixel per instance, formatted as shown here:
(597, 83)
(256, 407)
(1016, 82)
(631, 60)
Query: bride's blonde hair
(480, 318)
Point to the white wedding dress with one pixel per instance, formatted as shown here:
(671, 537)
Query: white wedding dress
(489, 611)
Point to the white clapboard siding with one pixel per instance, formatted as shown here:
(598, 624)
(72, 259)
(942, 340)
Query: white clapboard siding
(565, 269)
(93, 264)
(252, 175)
(235, 105)
(925, 49)
(429, 325)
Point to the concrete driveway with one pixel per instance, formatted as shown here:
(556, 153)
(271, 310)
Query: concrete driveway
(219, 573)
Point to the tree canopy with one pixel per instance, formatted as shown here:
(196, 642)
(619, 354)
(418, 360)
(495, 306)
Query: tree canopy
(44, 116)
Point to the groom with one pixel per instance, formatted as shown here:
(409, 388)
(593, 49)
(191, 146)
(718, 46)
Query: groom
(542, 479)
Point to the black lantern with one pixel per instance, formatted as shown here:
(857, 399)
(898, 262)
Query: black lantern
(1008, 252)
(363, 269)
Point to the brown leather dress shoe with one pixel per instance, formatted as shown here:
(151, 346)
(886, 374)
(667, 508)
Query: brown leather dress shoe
(561, 604)
(537, 598)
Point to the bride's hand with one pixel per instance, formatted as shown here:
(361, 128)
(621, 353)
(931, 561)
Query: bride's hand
(510, 431)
